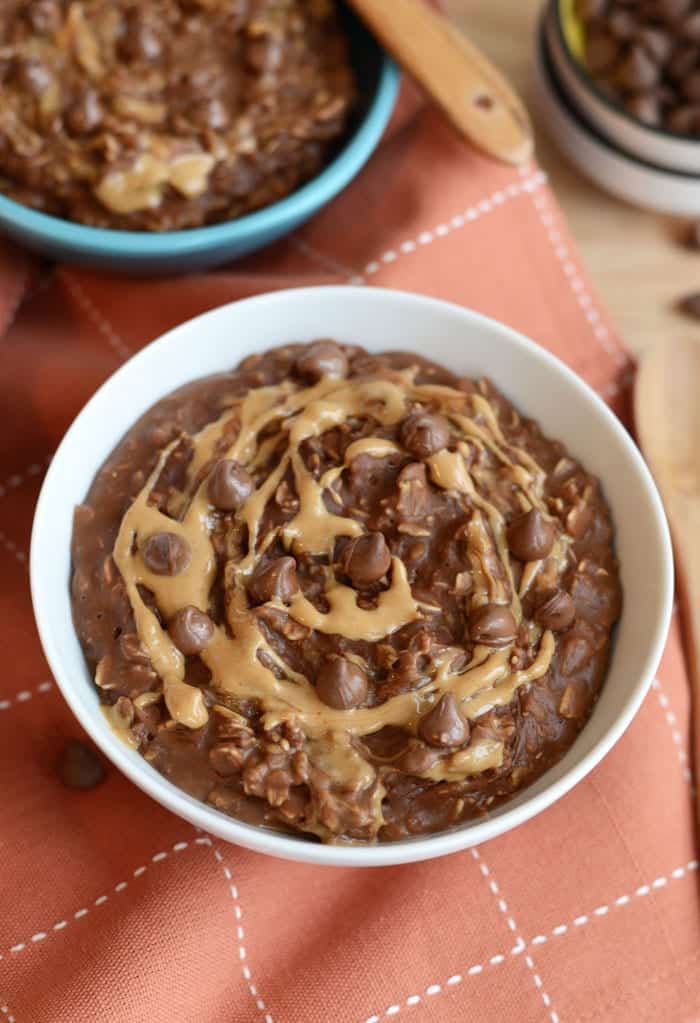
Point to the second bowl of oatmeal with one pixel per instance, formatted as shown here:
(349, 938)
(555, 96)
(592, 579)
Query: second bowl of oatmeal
(371, 597)
(174, 137)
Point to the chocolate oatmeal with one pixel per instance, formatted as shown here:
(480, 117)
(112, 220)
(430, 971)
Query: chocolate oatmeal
(346, 595)
(168, 114)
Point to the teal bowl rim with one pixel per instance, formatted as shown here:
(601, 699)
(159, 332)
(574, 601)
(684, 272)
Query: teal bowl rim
(296, 207)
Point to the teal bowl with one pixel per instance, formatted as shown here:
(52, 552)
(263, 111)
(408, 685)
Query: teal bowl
(202, 247)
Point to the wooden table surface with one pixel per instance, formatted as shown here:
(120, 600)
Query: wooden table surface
(634, 257)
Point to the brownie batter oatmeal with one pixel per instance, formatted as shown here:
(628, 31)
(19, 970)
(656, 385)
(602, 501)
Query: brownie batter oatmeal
(350, 596)
(168, 114)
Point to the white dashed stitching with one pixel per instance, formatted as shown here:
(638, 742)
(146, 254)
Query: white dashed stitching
(325, 262)
(24, 695)
(240, 935)
(576, 283)
(101, 899)
(5, 1010)
(13, 549)
(510, 920)
(539, 939)
(676, 736)
(103, 325)
(455, 222)
(18, 478)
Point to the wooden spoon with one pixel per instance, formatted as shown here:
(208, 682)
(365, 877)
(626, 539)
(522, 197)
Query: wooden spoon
(476, 97)
(667, 411)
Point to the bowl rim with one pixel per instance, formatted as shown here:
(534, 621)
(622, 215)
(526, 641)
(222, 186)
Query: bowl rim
(296, 848)
(295, 207)
(614, 108)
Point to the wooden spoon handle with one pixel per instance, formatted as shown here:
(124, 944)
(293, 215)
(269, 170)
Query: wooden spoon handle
(465, 85)
(668, 425)
(686, 533)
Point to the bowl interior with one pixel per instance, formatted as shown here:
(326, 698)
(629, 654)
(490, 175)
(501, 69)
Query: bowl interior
(469, 344)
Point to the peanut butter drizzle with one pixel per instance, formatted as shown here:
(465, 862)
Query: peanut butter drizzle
(395, 608)
(233, 656)
(477, 757)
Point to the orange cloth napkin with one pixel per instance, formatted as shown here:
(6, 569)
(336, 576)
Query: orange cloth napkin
(114, 911)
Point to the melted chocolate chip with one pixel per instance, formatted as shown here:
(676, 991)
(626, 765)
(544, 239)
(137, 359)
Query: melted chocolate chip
(276, 580)
(229, 485)
(79, 766)
(191, 630)
(418, 759)
(492, 625)
(322, 359)
(443, 725)
(424, 433)
(166, 553)
(557, 611)
(365, 559)
(530, 536)
(341, 684)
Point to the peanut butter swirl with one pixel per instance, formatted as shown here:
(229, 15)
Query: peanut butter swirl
(268, 433)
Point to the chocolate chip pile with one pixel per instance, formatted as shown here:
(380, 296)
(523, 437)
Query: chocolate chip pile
(349, 596)
(646, 55)
(168, 114)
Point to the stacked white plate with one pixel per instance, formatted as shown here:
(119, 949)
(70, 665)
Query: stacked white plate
(646, 166)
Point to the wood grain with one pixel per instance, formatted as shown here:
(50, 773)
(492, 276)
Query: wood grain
(475, 96)
(667, 412)
(634, 257)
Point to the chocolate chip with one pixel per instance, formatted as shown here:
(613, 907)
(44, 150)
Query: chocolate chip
(79, 766)
(557, 611)
(322, 359)
(530, 536)
(388, 743)
(691, 27)
(690, 305)
(657, 43)
(622, 24)
(276, 580)
(684, 120)
(683, 60)
(424, 433)
(638, 71)
(492, 625)
(602, 52)
(443, 726)
(669, 10)
(418, 759)
(166, 553)
(229, 485)
(691, 86)
(692, 238)
(341, 684)
(191, 630)
(645, 107)
(365, 559)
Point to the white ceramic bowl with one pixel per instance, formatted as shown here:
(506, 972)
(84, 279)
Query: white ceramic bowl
(596, 157)
(656, 145)
(469, 344)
